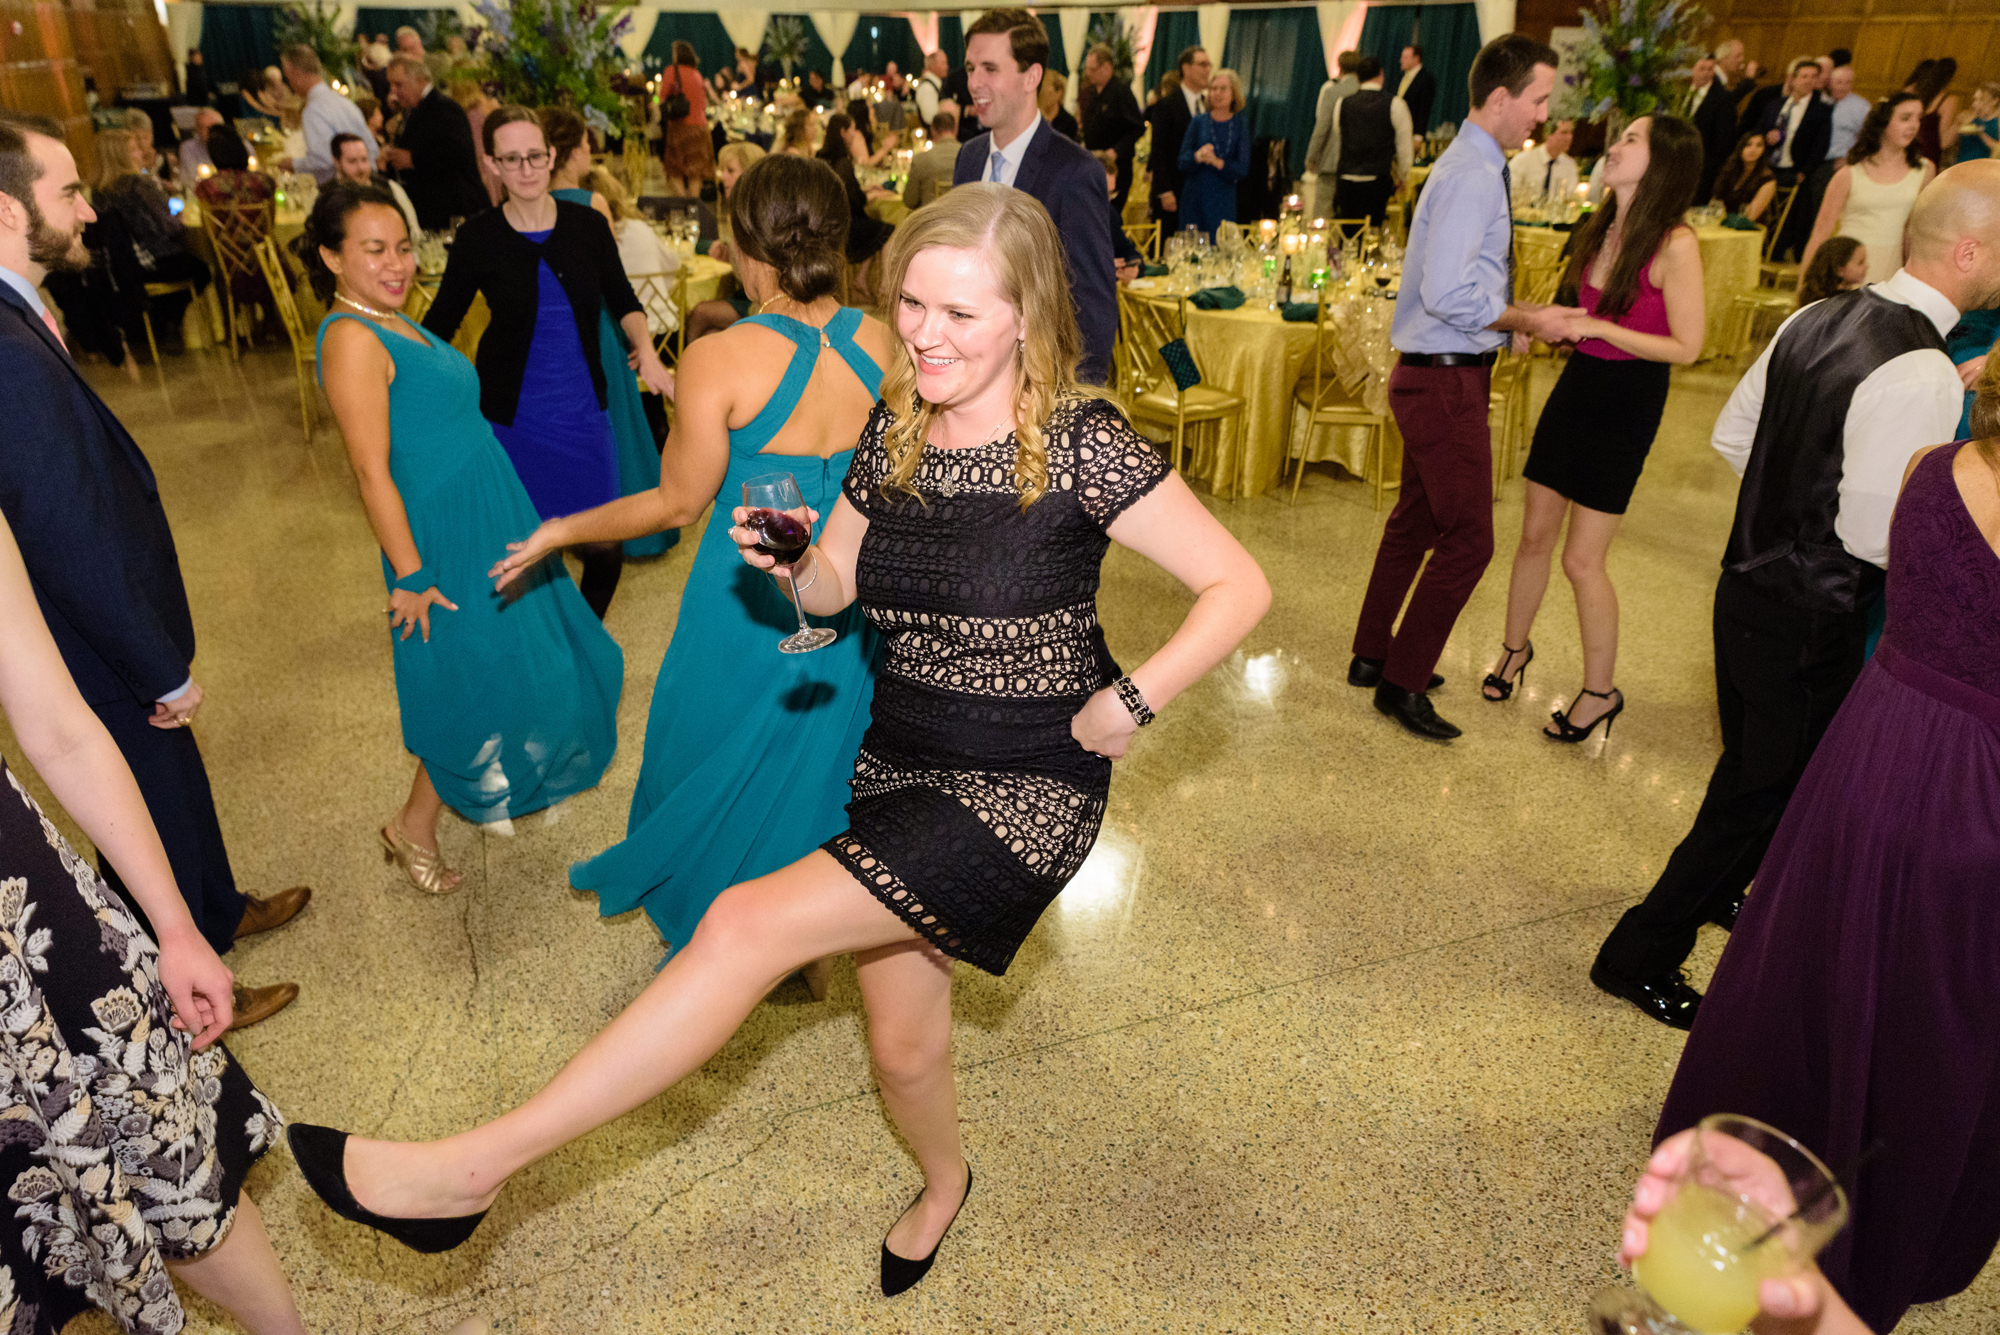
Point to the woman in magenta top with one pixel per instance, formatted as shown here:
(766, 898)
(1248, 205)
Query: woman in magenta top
(1635, 270)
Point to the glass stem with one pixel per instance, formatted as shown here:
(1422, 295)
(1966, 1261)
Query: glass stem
(791, 574)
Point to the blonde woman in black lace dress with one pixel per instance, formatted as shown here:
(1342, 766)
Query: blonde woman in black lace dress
(977, 511)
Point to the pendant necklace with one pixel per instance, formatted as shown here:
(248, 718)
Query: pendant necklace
(952, 470)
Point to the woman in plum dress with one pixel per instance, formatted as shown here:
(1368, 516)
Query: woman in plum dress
(981, 501)
(1857, 1003)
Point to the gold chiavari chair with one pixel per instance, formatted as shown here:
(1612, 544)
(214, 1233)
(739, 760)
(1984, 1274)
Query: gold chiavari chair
(1146, 236)
(1328, 402)
(663, 296)
(234, 231)
(162, 290)
(1508, 402)
(1770, 273)
(305, 354)
(1151, 391)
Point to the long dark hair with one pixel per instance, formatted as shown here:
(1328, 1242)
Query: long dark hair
(1868, 140)
(1822, 277)
(327, 226)
(833, 149)
(863, 117)
(1673, 170)
(1932, 77)
(1741, 178)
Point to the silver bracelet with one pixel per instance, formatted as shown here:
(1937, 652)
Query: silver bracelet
(801, 588)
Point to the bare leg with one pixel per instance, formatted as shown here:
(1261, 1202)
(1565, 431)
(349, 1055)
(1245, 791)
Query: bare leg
(907, 989)
(419, 816)
(708, 317)
(1590, 535)
(1541, 523)
(752, 937)
(241, 1275)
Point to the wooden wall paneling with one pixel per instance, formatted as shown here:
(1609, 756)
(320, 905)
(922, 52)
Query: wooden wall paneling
(39, 72)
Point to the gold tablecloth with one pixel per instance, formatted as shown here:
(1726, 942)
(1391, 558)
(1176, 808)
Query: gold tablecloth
(1251, 351)
(707, 279)
(1729, 261)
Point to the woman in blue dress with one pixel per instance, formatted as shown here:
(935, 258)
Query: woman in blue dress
(1215, 155)
(509, 701)
(748, 750)
(548, 269)
(638, 454)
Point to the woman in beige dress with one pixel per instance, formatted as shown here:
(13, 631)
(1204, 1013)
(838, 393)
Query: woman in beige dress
(1871, 194)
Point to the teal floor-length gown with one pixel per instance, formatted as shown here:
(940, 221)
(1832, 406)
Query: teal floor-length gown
(749, 751)
(512, 704)
(638, 457)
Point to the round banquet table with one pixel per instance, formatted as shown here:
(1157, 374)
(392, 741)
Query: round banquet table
(1729, 260)
(1252, 352)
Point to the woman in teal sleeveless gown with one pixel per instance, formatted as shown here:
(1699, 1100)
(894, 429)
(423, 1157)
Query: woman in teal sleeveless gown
(508, 700)
(748, 750)
(638, 459)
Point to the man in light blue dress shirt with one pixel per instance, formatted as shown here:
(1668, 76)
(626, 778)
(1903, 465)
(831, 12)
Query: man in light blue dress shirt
(326, 114)
(1454, 312)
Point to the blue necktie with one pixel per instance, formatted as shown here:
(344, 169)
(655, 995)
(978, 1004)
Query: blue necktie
(999, 161)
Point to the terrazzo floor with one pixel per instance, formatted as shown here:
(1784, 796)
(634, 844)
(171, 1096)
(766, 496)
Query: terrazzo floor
(1309, 1046)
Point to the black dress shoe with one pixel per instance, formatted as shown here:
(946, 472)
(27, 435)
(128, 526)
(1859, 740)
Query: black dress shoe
(321, 1151)
(900, 1272)
(1368, 672)
(1725, 917)
(1667, 999)
(1413, 710)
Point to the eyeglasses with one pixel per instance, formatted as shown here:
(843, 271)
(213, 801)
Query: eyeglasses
(513, 162)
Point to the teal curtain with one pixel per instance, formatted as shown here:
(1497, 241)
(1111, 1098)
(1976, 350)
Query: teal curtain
(1058, 57)
(1385, 31)
(951, 36)
(1174, 32)
(1449, 35)
(236, 38)
(818, 56)
(879, 39)
(1277, 54)
(704, 32)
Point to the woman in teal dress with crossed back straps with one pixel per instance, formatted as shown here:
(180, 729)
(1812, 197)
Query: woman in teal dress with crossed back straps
(509, 701)
(638, 458)
(748, 750)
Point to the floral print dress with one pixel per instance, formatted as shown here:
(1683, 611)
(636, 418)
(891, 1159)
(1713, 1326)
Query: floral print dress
(121, 1148)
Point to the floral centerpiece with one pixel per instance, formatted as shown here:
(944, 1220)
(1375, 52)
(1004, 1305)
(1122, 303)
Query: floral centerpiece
(785, 43)
(1108, 31)
(545, 53)
(1630, 54)
(315, 24)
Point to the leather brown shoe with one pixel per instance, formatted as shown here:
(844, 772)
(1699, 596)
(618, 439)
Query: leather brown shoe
(256, 1004)
(261, 915)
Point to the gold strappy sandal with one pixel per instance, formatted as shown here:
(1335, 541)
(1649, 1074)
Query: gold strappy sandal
(427, 870)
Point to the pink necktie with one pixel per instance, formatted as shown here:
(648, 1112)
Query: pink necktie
(50, 321)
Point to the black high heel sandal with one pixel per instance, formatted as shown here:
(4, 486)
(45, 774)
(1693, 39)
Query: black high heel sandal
(320, 1152)
(900, 1272)
(1569, 732)
(1505, 685)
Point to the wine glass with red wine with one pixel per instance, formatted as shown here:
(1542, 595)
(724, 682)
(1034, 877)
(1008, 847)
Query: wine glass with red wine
(774, 504)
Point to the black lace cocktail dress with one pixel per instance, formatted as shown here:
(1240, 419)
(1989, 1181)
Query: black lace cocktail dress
(973, 805)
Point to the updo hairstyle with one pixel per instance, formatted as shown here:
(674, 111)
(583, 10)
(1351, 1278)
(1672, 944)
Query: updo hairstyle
(791, 213)
(327, 226)
(508, 115)
(564, 132)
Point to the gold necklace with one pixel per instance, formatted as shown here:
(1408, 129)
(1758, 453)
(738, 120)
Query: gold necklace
(365, 310)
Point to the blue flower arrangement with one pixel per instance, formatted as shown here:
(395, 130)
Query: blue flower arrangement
(1631, 54)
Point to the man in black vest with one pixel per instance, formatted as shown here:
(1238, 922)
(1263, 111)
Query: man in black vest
(1371, 145)
(1822, 430)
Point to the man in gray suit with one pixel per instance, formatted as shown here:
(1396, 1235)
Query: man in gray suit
(1318, 158)
(933, 166)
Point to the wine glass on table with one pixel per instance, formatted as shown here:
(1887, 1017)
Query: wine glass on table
(1752, 1204)
(778, 518)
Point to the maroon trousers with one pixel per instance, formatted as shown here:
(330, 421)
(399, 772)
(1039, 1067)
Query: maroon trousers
(1446, 509)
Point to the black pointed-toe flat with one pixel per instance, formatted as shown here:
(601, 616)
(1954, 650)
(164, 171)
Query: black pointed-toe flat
(900, 1272)
(320, 1152)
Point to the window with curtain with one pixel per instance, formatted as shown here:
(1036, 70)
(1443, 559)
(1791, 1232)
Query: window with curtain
(235, 38)
(879, 39)
(817, 55)
(703, 32)
(1449, 35)
(1176, 31)
(951, 36)
(1277, 54)
(1058, 55)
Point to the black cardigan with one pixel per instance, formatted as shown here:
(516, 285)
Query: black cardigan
(489, 256)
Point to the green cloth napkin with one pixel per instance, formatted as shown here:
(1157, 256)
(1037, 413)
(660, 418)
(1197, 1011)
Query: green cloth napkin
(1152, 271)
(1299, 312)
(701, 246)
(1739, 223)
(1217, 299)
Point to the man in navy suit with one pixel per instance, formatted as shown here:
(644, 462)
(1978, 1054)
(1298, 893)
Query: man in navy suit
(85, 510)
(1005, 52)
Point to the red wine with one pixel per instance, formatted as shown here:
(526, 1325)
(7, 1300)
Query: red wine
(783, 538)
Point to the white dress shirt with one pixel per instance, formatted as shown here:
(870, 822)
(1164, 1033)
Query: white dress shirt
(1700, 96)
(1404, 86)
(1010, 154)
(1534, 177)
(1906, 403)
(1795, 111)
(1399, 122)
